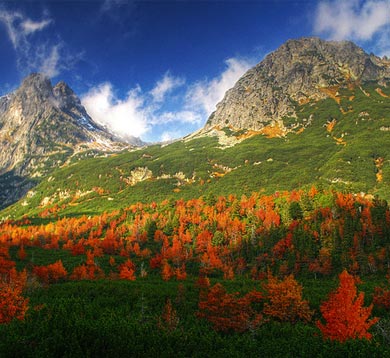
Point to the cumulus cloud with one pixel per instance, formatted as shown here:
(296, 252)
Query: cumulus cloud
(125, 118)
(206, 94)
(354, 20)
(139, 112)
(171, 109)
(165, 86)
(135, 115)
(47, 57)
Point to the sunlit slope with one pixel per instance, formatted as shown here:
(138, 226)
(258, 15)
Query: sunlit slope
(341, 142)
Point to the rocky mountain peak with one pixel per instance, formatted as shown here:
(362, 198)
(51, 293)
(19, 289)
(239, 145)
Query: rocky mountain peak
(64, 93)
(299, 71)
(36, 85)
(41, 127)
(36, 80)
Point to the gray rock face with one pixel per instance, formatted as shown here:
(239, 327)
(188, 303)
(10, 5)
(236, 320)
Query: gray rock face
(298, 71)
(41, 127)
(38, 119)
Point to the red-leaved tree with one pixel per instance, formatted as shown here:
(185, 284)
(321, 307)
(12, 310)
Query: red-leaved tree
(344, 314)
(12, 303)
(127, 271)
(51, 273)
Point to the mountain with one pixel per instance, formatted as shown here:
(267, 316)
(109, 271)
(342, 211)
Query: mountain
(298, 72)
(41, 128)
(335, 134)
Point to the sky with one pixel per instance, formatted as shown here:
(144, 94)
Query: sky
(155, 69)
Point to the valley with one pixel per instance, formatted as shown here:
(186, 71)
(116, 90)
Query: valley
(266, 232)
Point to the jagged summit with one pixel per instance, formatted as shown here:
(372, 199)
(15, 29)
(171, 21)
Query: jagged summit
(38, 117)
(36, 84)
(326, 106)
(299, 71)
(41, 127)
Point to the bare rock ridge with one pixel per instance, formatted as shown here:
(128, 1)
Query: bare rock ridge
(296, 73)
(38, 119)
(41, 127)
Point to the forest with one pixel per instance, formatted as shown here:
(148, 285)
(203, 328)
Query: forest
(298, 273)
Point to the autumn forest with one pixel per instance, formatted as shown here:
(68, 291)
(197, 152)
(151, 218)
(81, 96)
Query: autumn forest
(310, 264)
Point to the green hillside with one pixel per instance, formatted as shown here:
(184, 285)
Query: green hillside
(341, 142)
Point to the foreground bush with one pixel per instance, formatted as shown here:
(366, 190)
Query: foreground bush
(12, 303)
(228, 312)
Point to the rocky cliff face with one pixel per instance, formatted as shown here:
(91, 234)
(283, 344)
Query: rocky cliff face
(298, 72)
(38, 120)
(41, 127)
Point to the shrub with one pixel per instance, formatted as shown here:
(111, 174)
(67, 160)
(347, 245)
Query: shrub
(284, 300)
(228, 312)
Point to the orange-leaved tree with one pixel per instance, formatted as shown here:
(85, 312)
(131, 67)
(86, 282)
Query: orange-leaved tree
(228, 312)
(127, 270)
(284, 300)
(344, 313)
(50, 273)
(12, 303)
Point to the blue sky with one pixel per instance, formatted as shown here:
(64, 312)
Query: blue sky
(156, 69)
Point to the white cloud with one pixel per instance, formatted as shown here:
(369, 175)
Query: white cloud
(8, 19)
(165, 86)
(135, 115)
(167, 136)
(29, 26)
(51, 64)
(31, 55)
(354, 20)
(19, 27)
(206, 94)
(161, 113)
(125, 118)
(180, 116)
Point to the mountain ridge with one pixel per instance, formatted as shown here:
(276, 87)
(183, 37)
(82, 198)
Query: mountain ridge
(337, 139)
(298, 72)
(41, 127)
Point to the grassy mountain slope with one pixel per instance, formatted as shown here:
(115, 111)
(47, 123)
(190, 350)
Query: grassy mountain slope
(340, 142)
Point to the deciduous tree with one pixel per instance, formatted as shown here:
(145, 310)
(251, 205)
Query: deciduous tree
(284, 300)
(12, 303)
(344, 314)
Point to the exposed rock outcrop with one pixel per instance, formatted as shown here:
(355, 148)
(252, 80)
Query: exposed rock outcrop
(41, 126)
(297, 72)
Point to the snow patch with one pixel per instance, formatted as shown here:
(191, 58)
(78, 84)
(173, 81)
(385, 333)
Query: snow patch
(86, 123)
